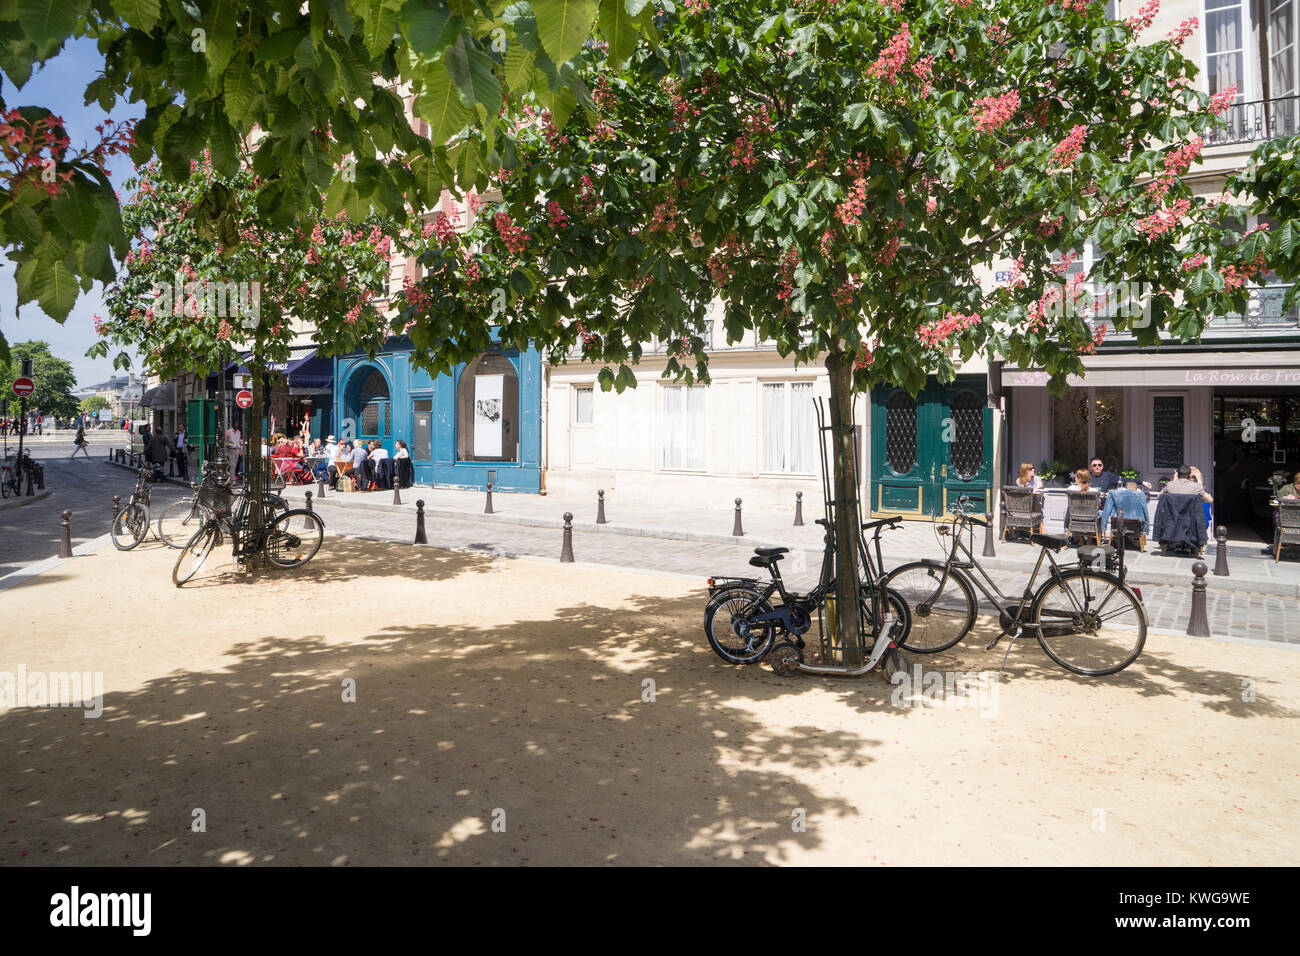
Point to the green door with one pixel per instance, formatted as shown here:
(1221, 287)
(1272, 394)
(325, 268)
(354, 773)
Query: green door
(928, 450)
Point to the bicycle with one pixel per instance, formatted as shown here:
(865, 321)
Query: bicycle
(1088, 621)
(749, 617)
(10, 482)
(284, 544)
(131, 524)
(181, 518)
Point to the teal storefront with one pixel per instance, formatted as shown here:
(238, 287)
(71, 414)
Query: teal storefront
(485, 416)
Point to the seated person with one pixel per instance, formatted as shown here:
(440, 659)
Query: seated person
(329, 451)
(1184, 484)
(380, 471)
(1103, 480)
(1028, 477)
(1082, 481)
(342, 455)
(360, 458)
(1292, 490)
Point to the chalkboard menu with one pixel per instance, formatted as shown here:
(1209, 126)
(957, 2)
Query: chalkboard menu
(1168, 427)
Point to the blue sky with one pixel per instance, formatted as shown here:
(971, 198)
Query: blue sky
(60, 87)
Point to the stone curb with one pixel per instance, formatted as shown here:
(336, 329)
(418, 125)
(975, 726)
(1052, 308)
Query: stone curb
(25, 574)
(24, 500)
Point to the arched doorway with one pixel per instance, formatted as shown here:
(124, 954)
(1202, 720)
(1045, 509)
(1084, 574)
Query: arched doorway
(368, 407)
(487, 410)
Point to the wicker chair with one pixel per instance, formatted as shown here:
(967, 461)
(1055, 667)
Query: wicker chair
(1083, 514)
(1022, 509)
(1287, 531)
(1132, 528)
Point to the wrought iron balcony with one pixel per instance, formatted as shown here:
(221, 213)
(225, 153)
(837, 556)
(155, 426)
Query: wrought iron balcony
(1264, 317)
(1257, 121)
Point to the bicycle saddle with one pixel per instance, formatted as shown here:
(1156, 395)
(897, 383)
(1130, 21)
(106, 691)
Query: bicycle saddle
(767, 552)
(1054, 541)
(766, 560)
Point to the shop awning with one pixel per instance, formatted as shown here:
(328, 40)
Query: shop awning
(306, 371)
(1210, 367)
(160, 396)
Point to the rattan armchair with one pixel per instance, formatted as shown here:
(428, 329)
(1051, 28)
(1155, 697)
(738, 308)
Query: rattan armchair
(1287, 531)
(1022, 508)
(1083, 514)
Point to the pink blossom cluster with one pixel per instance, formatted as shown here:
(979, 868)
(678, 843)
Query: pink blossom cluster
(887, 255)
(933, 334)
(1077, 6)
(472, 271)
(894, 5)
(891, 59)
(1038, 310)
(602, 132)
(1235, 276)
(695, 6)
(858, 166)
(921, 70)
(1068, 149)
(224, 331)
(1062, 266)
(99, 323)
(1162, 220)
(1185, 29)
(1017, 279)
(850, 210)
(603, 92)
(997, 33)
(865, 359)
(742, 152)
(1194, 262)
(789, 259)
(474, 202)
(414, 294)
(1220, 101)
(991, 112)
(1144, 17)
(588, 199)
(720, 261)
(664, 218)
(556, 215)
(1175, 164)
(843, 296)
(759, 121)
(513, 237)
(1047, 228)
(827, 240)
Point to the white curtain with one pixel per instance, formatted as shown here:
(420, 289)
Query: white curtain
(773, 402)
(1223, 38)
(803, 429)
(693, 453)
(583, 410)
(673, 426)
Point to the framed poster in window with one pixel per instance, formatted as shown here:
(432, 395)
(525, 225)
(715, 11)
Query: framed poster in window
(488, 395)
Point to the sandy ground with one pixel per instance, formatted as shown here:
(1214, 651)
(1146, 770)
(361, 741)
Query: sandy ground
(500, 719)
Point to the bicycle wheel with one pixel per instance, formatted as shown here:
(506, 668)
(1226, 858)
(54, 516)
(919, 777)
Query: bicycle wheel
(4, 485)
(729, 634)
(940, 617)
(1089, 622)
(785, 659)
(195, 553)
(130, 526)
(293, 538)
(179, 521)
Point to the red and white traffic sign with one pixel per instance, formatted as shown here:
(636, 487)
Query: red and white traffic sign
(244, 398)
(24, 386)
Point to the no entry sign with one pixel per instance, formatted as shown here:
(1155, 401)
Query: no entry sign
(244, 399)
(24, 386)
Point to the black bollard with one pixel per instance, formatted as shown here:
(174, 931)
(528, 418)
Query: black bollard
(798, 509)
(307, 522)
(600, 507)
(566, 551)
(420, 537)
(736, 529)
(487, 510)
(1199, 624)
(31, 470)
(40, 477)
(1221, 552)
(988, 536)
(117, 506)
(397, 493)
(65, 541)
(320, 489)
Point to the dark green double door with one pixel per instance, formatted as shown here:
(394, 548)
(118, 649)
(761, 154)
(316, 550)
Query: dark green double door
(929, 450)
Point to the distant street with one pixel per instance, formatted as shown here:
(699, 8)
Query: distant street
(86, 488)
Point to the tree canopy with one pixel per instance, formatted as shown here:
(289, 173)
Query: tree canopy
(52, 375)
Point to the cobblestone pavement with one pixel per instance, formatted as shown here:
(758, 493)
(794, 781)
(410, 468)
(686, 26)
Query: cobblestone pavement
(86, 488)
(1232, 613)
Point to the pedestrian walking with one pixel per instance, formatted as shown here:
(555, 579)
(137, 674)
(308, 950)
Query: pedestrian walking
(82, 445)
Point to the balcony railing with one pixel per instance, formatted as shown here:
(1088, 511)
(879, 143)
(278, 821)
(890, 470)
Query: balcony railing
(1264, 316)
(1257, 121)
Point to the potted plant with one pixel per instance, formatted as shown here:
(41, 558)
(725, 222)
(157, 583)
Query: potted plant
(1055, 474)
(1131, 474)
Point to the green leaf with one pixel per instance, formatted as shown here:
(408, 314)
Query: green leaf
(439, 106)
(141, 14)
(338, 11)
(518, 67)
(220, 25)
(380, 26)
(471, 70)
(225, 148)
(77, 210)
(47, 23)
(182, 143)
(619, 29)
(425, 24)
(279, 46)
(564, 26)
(241, 94)
(50, 284)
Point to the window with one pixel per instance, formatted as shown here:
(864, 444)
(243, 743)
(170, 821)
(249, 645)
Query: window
(582, 398)
(789, 428)
(487, 410)
(1224, 46)
(683, 427)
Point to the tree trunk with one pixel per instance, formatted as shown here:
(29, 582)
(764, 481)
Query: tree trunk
(848, 522)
